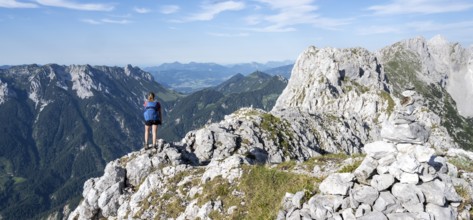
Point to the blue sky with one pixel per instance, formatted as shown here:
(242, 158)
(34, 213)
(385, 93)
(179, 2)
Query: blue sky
(151, 32)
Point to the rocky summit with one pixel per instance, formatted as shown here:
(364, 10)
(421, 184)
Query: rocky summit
(339, 144)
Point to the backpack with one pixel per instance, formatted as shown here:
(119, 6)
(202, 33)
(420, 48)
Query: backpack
(151, 112)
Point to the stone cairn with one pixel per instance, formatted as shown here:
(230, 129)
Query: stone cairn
(400, 178)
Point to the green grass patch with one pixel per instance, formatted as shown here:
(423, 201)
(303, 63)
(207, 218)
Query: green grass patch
(174, 208)
(350, 167)
(333, 158)
(462, 164)
(19, 180)
(279, 131)
(264, 189)
(287, 165)
(387, 98)
(467, 200)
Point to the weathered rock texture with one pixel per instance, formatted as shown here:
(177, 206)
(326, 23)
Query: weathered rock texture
(401, 177)
(337, 100)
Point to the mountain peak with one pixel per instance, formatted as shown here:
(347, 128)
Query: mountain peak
(438, 40)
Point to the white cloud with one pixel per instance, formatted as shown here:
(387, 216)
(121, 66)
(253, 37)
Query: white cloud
(254, 19)
(426, 26)
(212, 10)
(273, 28)
(106, 21)
(91, 21)
(76, 6)
(16, 4)
(169, 9)
(112, 21)
(418, 27)
(421, 7)
(243, 34)
(373, 29)
(141, 10)
(291, 13)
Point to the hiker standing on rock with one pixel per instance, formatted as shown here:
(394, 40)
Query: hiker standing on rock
(152, 114)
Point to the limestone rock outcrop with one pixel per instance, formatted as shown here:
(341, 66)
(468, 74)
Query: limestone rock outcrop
(401, 177)
(337, 101)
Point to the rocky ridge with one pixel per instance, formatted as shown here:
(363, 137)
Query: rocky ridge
(400, 178)
(337, 100)
(437, 61)
(61, 125)
(438, 71)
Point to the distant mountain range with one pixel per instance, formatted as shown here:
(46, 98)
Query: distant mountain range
(61, 124)
(193, 76)
(258, 90)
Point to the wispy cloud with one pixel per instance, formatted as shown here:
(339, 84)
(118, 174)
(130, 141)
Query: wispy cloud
(372, 30)
(418, 27)
(76, 6)
(243, 34)
(209, 11)
(141, 10)
(291, 13)
(426, 26)
(169, 9)
(420, 7)
(91, 21)
(106, 21)
(16, 4)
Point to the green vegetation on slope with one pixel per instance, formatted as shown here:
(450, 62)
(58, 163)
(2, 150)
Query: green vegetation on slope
(211, 105)
(263, 189)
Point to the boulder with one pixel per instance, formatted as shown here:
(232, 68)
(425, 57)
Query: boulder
(366, 169)
(434, 192)
(138, 169)
(402, 216)
(379, 149)
(337, 184)
(412, 178)
(375, 215)
(365, 194)
(348, 214)
(440, 212)
(405, 132)
(204, 145)
(384, 163)
(387, 203)
(423, 153)
(408, 163)
(410, 197)
(362, 210)
(382, 182)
